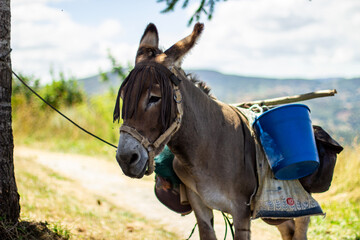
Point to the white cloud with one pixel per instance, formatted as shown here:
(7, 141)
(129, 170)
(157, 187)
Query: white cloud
(45, 37)
(264, 38)
(282, 38)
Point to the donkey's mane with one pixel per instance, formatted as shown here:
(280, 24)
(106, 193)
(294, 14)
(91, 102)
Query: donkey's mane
(134, 83)
(203, 86)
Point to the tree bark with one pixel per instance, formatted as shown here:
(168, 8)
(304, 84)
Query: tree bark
(9, 197)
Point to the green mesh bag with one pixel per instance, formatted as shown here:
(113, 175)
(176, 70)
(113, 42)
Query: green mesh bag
(164, 167)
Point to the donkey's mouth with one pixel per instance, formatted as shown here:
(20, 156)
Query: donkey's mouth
(141, 173)
(146, 167)
(132, 157)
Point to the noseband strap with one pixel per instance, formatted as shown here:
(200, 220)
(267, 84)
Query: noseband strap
(151, 147)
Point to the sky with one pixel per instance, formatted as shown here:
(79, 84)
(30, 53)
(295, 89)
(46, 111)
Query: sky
(265, 38)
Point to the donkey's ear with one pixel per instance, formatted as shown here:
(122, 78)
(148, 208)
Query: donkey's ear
(175, 54)
(150, 37)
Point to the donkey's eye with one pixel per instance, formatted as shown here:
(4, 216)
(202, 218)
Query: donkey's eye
(154, 99)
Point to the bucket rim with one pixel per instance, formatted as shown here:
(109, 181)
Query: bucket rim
(280, 107)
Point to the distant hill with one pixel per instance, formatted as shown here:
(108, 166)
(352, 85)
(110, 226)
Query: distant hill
(340, 115)
(95, 85)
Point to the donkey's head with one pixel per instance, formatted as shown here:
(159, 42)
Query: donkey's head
(150, 114)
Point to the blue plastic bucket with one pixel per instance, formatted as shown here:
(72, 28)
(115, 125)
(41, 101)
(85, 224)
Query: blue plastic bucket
(287, 137)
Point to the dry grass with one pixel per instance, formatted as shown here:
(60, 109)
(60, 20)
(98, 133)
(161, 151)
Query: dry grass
(74, 213)
(347, 177)
(342, 202)
(34, 126)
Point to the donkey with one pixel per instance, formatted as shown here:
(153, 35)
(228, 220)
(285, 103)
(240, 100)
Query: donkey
(212, 141)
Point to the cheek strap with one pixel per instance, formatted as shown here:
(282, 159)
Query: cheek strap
(151, 147)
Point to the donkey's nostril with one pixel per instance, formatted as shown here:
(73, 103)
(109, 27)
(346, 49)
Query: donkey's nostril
(134, 158)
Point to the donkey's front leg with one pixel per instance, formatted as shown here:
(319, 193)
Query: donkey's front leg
(242, 222)
(204, 216)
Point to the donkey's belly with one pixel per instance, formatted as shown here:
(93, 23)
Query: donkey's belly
(214, 197)
(209, 191)
(183, 173)
(213, 192)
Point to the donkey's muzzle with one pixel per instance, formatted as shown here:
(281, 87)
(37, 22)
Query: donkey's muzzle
(131, 156)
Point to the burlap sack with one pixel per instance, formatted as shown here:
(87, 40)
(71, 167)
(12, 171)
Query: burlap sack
(280, 198)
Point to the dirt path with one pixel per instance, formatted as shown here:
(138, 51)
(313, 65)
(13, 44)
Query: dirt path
(105, 178)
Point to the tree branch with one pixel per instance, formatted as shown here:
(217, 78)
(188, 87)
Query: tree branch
(288, 99)
(205, 6)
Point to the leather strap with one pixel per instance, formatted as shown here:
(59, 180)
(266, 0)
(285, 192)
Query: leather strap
(174, 127)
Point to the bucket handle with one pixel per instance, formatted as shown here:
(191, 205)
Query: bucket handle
(257, 107)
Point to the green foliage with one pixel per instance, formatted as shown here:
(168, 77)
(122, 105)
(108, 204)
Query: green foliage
(342, 222)
(205, 7)
(20, 93)
(61, 230)
(62, 92)
(33, 120)
(116, 68)
(36, 124)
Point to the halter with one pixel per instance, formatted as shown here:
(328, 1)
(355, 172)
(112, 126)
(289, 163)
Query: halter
(173, 128)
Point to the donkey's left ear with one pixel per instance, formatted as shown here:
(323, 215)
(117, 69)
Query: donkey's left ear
(148, 44)
(175, 54)
(150, 37)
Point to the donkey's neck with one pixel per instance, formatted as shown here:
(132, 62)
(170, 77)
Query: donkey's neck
(214, 146)
(196, 110)
(206, 125)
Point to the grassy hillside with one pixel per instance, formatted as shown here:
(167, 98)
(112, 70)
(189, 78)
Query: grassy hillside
(35, 124)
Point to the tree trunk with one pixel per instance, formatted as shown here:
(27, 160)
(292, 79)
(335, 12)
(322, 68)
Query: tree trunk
(9, 197)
